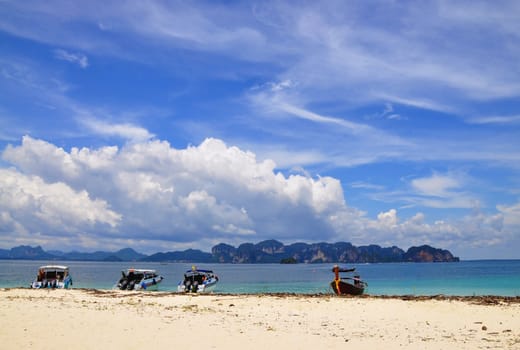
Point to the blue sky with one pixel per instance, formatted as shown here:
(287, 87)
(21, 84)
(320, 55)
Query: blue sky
(166, 125)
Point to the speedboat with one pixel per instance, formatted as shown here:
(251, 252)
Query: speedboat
(52, 276)
(139, 279)
(347, 285)
(198, 281)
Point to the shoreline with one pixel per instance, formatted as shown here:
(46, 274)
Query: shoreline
(478, 299)
(92, 318)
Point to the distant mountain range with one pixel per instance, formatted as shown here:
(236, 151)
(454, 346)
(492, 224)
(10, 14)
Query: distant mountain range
(270, 251)
(25, 252)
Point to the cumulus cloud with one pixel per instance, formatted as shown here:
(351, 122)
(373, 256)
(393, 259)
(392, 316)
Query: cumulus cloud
(510, 213)
(151, 195)
(389, 218)
(42, 158)
(28, 204)
(211, 190)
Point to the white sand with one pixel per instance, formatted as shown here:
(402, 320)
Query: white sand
(89, 319)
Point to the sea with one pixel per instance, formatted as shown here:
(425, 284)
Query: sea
(465, 278)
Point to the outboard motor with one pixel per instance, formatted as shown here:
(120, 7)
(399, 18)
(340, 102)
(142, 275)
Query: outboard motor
(131, 285)
(123, 284)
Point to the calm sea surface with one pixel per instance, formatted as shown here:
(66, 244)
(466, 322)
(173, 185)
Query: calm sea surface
(480, 277)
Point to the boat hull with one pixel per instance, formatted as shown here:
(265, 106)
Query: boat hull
(197, 281)
(52, 276)
(206, 287)
(139, 279)
(65, 284)
(149, 284)
(344, 288)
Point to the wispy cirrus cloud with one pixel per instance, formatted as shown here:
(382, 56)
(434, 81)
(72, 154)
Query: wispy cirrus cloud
(330, 51)
(443, 191)
(436, 185)
(126, 131)
(495, 119)
(418, 103)
(451, 190)
(355, 128)
(77, 58)
(51, 95)
(366, 186)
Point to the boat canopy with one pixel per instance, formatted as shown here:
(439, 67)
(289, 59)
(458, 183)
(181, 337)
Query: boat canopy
(140, 273)
(50, 272)
(198, 271)
(54, 268)
(144, 271)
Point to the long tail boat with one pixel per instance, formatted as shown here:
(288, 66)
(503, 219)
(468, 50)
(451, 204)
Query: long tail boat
(347, 285)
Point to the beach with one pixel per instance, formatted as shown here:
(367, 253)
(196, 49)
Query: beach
(94, 319)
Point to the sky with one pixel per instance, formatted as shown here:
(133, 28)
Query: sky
(168, 125)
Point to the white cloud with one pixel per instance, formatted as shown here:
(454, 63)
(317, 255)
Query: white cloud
(125, 130)
(37, 156)
(388, 219)
(283, 85)
(329, 139)
(442, 191)
(29, 205)
(150, 192)
(416, 102)
(495, 119)
(308, 115)
(189, 194)
(366, 186)
(436, 185)
(510, 213)
(77, 58)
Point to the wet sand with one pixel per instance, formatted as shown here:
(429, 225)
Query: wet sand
(94, 319)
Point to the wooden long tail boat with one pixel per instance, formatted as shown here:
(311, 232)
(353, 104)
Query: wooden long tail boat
(347, 285)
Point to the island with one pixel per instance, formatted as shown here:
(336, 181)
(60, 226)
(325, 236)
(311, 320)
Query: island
(269, 251)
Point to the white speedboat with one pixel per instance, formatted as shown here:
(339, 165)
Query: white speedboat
(139, 279)
(52, 276)
(198, 281)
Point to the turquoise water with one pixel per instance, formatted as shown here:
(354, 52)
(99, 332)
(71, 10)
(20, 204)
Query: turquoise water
(481, 277)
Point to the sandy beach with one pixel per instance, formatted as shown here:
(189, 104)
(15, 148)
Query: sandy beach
(94, 319)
